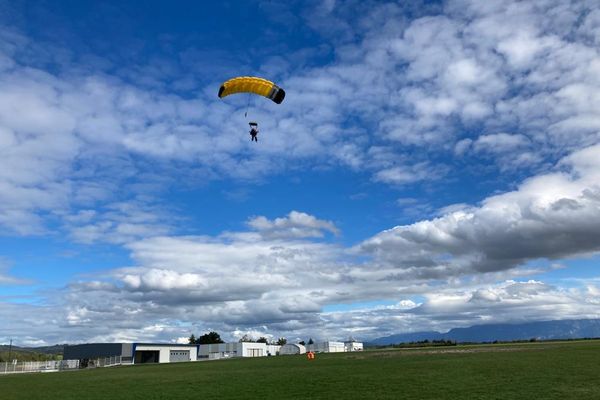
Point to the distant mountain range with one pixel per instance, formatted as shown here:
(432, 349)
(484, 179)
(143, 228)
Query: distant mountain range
(542, 330)
(56, 349)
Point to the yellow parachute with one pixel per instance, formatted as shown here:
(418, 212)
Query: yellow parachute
(252, 84)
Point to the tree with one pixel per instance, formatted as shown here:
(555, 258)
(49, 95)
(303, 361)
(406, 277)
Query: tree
(302, 342)
(310, 341)
(246, 338)
(210, 338)
(281, 341)
(192, 339)
(262, 340)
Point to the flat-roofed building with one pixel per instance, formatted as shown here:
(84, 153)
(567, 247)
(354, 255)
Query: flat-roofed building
(134, 353)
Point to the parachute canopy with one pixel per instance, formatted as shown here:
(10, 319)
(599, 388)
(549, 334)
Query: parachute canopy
(252, 84)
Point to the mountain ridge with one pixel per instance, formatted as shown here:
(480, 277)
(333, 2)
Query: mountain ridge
(539, 330)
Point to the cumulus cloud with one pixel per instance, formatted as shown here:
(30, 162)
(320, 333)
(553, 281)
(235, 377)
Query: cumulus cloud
(77, 133)
(551, 216)
(295, 225)
(161, 279)
(482, 67)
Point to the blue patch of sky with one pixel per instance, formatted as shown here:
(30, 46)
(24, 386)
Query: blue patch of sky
(358, 206)
(574, 272)
(53, 261)
(210, 40)
(358, 306)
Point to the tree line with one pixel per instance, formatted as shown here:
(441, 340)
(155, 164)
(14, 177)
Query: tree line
(5, 356)
(215, 338)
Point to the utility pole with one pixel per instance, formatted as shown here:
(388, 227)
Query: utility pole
(9, 351)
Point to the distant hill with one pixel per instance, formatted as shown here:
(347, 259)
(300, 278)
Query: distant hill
(56, 349)
(541, 330)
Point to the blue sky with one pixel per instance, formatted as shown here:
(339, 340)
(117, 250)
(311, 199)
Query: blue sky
(433, 165)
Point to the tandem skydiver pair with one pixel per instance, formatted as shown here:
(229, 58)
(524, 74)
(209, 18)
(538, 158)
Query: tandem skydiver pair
(252, 85)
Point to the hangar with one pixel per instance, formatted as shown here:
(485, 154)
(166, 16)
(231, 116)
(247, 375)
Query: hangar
(133, 353)
(292, 348)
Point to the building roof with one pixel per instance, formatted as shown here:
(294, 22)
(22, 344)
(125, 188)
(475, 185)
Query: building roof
(301, 347)
(137, 344)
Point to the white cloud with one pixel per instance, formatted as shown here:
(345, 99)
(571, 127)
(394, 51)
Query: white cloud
(551, 216)
(401, 175)
(500, 142)
(162, 279)
(406, 82)
(118, 223)
(295, 225)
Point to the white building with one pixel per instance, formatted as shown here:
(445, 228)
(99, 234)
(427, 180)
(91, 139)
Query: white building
(292, 348)
(326, 347)
(166, 353)
(237, 349)
(352, 345)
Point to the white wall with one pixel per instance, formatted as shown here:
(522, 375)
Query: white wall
(326, 347)
(254, 349)
(273, 349)
(353, 346)
(245, 349)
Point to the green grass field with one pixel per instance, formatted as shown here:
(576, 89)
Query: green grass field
(561, 370)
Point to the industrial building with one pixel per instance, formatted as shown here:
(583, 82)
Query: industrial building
(237, 349)
(134, 353)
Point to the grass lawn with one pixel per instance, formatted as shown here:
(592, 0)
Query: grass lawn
(562, 370)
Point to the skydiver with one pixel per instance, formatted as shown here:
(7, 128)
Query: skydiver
(253, 131)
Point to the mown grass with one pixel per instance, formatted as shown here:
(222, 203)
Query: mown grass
(564, 370)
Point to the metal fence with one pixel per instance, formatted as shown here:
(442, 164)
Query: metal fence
(37, 366)
(63, 365)
(106, 362)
